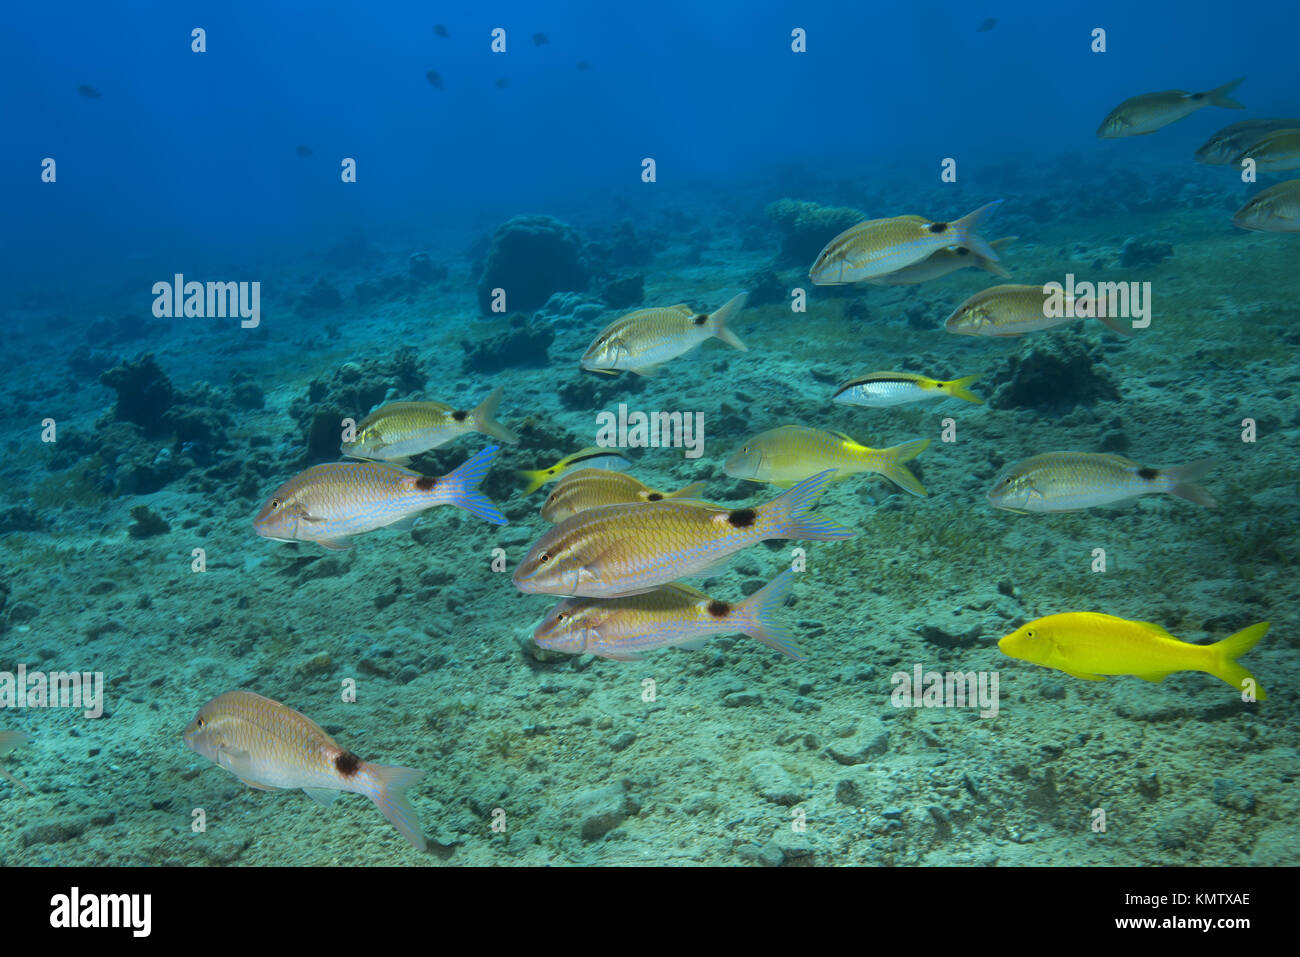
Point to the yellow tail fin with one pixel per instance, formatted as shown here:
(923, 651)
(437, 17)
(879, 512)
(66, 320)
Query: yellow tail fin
(957, 389)
(1229, 650)
(535, 479)
(892, 468)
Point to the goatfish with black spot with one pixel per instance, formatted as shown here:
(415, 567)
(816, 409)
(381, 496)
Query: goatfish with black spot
(1273, 210)
(879, 390)
(327, 504)
(588, 488)
(8, 741)
(945, 261)
(1070, 481)
(631, 549)
(790, 453)
(675, 615)
(1017, 310)
(397, 431)
(271, 747)
(1141, 115)
(588, 458)
(877, 247)
(1225, 147)
(1276, 152)
(642, 341)
(1090, 646)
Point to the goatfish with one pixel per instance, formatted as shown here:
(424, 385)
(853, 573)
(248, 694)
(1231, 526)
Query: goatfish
(879, 390)
(1016, 310)
(1279, 150)
(594, 488)
(396, 431)
(8, 741)
(790, 453)
(1070, 481)
(1140, 115)
(1225, 147)
(946, 260)
(328, 503)
(1274, 210)
(631, 549)
(674, 615)
(1089, 645)
(269, 746)
(642, 341)
(588, 458)
(877, 247)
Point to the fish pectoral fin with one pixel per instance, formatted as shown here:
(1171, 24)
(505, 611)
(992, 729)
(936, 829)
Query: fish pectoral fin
(334, 544)
(1155, 677)
(647, 371)
(1083, 675)
(240, 764)
(322, 796)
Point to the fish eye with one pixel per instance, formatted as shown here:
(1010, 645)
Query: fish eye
(546, 557)
(275, 503)
(1029, 633)
(199, 722)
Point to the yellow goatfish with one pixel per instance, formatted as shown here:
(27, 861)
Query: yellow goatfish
(1088, 645)
(791, 453)
(877, 247)
(1015, 310)
(396, 431)
(269, 746)
(593, 488)
(945, 261)
(1149, 112)
(1274, 210)
(588, 458)
(8, 741)
(644, 340)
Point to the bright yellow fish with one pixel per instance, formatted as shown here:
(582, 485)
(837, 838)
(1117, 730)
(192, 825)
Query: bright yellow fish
(1089, 645)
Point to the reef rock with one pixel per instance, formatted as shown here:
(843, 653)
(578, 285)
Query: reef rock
(530, 258)
(523, 343)
(144, 393)
(1053, 371)
(807, 227)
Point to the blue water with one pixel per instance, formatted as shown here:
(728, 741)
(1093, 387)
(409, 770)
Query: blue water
(188, 162)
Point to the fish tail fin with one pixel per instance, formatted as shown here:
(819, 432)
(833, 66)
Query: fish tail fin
(792, 512)
(1227, 652)
(485, 418)
(691, 491)
(757, 616)
(389, 795)
(1183, 479)
(892, 466)
(718, 321)
(464, 492)
(967, 228)
(1110, 322)
(1219, 95)
(533, 479)
(957, 389)
(999, 245)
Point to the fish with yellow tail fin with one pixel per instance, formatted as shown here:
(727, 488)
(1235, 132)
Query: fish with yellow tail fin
(269, 746)
(790, 453)
(8, 741)
(594, 488)
(642, 341)
(396, 431)
(879, 390)
(1088, 645)
(588, 458)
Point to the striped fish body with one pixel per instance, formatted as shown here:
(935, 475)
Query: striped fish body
(877, 247)
(1070, 481)
(676, 614)
(328, 503)
(1274, 210)
(585, 489)
(1226, 146)
(269, 746)
(790, 453)
(1017, 310)
(1279, 150)
(642, 341)
(630, 549)
(400, 430)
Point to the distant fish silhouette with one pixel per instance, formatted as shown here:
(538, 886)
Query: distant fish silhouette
(433, 77)
(584, 65)
(987, 25)
(89, 92)
(539, 39)
(439, 29)
(304, 150)
(502, 83)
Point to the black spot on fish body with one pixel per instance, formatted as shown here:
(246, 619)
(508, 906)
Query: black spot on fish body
(719, 609)
(459, 415)
(347, 763)
(938, 227)
(742, 517)
(653, 497)
(1148, 473)
(701, 319)
(425, 483)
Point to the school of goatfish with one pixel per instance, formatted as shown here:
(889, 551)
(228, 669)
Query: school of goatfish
(617, 549)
